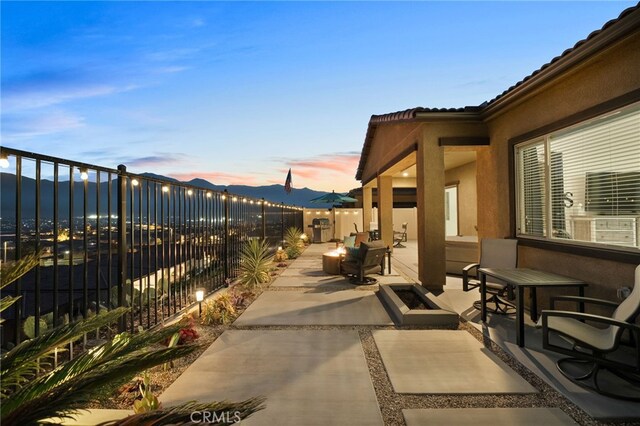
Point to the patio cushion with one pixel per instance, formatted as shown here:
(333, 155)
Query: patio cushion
(349, 241)
(352, 255)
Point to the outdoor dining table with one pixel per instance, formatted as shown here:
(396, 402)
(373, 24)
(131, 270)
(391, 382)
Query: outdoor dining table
(521, 278)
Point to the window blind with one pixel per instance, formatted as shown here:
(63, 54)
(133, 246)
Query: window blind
(583, 183)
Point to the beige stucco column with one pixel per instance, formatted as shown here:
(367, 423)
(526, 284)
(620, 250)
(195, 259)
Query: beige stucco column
(367, 207)
(385, 209)
(431, 221)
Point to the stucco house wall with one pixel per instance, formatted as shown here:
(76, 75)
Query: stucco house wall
(602, 78)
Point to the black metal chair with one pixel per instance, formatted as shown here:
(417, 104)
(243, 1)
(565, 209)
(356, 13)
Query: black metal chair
(370, 259)
(599, 347)
(400, 236)
(494, 253)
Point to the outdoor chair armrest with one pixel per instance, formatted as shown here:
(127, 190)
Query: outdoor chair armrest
(465, 276)
(579, 299)
(587, 317)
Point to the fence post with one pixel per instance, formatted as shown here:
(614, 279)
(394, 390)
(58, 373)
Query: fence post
(122, 241)
(264, 220)
(226, 234)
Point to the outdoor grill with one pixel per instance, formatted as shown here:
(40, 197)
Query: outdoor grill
(321, 230)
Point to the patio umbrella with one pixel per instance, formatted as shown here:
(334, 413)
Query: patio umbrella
(333, 199)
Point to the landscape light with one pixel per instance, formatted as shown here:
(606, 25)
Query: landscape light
(4, 161)
(199, 299)
(84, 174)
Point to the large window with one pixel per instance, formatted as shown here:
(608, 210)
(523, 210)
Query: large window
(583, 183)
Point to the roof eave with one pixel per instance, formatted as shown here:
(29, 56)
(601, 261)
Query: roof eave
(585, 49)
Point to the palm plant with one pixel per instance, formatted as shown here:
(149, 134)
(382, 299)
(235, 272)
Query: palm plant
(255, 263)
(31, 391)
(11, 272)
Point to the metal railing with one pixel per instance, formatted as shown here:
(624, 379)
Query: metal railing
(110, 238)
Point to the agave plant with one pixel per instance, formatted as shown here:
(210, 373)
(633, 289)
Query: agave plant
(292, 240)
(255, 263)
(30, 390)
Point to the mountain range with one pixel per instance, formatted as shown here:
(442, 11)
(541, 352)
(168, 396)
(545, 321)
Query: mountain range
(273, 193)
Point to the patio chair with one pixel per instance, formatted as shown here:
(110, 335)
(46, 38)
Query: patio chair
(400, 236)
(361, 237)
(368, 259)
(593, 346)
(494, 253)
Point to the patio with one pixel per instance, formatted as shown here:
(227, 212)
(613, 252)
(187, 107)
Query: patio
(326, 352)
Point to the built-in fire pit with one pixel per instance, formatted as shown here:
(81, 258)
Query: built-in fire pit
(411, 304)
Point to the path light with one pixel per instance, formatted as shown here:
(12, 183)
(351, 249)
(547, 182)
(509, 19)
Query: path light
(199, 299)
(4, 161)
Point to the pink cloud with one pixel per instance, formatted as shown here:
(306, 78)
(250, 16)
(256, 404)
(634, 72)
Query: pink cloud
(344, 163)
(218, 178)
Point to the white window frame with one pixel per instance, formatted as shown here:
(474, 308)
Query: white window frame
(545, 140)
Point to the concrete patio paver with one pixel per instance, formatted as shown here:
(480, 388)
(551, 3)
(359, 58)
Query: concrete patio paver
(315, 307)
(311, 377)
(444, 361)
(487, 417)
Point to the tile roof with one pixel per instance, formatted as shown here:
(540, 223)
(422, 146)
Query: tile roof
(410, 114)
(567, 52)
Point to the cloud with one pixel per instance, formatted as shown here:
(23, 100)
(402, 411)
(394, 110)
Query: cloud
(47, 88)
(161, 159)
(218, 178)
(170, 69)
(198, 22)
(322, 166)
(37, 124)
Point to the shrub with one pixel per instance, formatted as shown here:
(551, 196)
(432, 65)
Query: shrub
(255, 263)
(280, 256)
(218, 311)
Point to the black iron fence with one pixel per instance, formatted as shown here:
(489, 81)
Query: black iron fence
(110, 238)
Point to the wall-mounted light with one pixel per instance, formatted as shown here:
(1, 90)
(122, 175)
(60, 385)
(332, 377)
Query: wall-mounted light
(405, 174)
(84, 174)
(4, 161)
(134, 182)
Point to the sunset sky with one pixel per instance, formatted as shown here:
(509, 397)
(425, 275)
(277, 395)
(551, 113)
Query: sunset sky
(239, 92)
